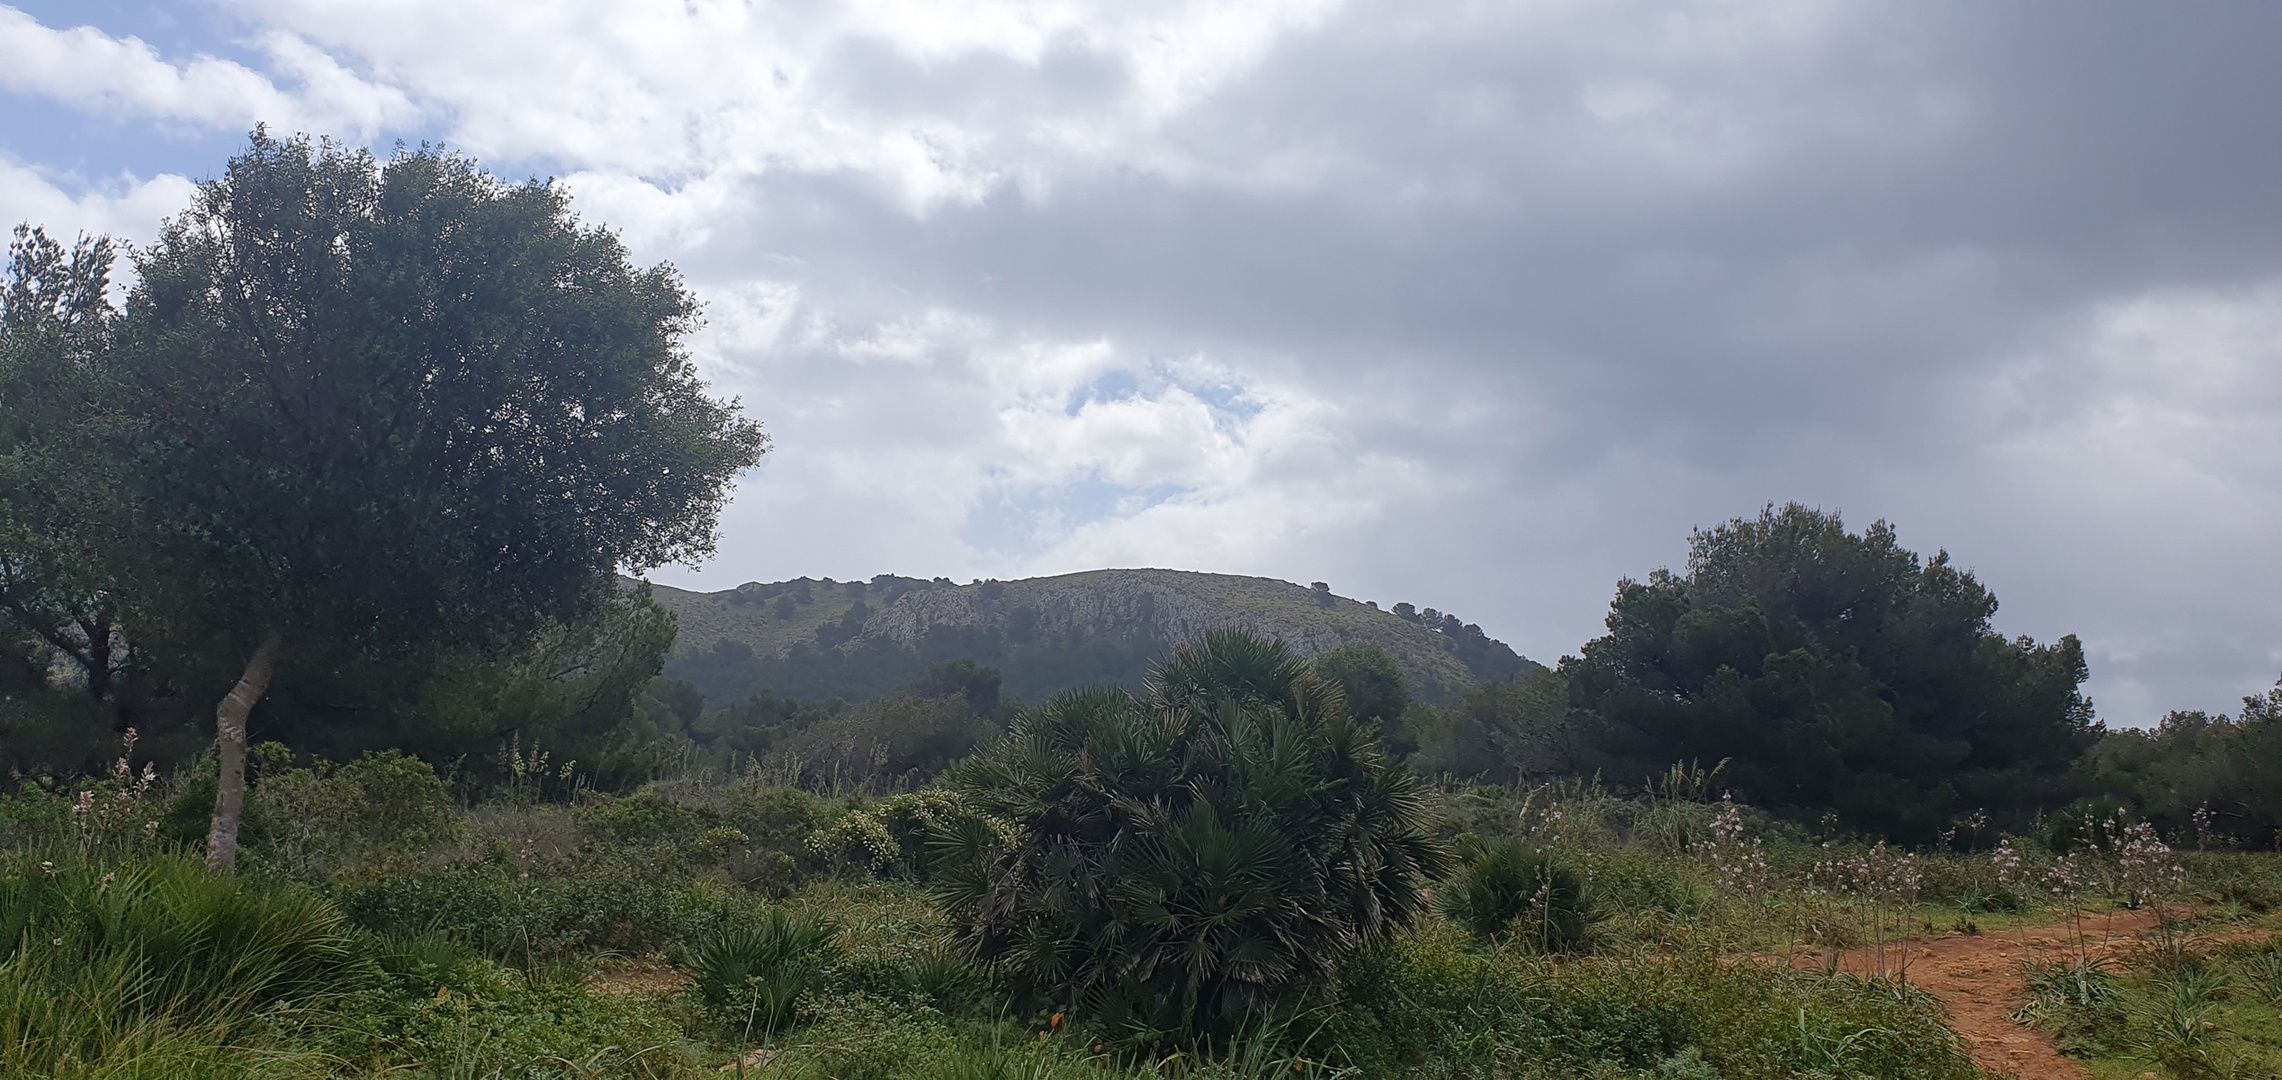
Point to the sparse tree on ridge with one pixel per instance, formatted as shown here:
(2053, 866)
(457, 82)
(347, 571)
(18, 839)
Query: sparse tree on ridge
(397, 407)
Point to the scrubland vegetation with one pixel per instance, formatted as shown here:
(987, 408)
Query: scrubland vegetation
(353, 471)
(382, 920)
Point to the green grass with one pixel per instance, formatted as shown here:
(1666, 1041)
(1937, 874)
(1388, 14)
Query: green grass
(158, 968)
(467, 952)
(2180, 1008)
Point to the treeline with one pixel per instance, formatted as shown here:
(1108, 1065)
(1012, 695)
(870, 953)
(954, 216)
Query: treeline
(1843, 680)
(1837, 677)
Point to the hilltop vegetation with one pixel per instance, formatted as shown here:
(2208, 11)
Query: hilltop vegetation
(854, 639)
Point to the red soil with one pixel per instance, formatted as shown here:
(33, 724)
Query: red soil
(1978, 977)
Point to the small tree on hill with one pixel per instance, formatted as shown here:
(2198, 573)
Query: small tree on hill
(1370, 680)
(397, 408)
(1188, 855)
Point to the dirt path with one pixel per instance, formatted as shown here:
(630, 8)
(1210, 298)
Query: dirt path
(1979, 979)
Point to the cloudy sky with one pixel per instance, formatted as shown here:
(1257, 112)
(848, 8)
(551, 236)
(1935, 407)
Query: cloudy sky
(1477, 305)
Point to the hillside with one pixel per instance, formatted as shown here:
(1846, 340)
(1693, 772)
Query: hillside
(809, 638)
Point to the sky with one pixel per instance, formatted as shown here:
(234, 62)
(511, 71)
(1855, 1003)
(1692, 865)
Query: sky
(1482, 306)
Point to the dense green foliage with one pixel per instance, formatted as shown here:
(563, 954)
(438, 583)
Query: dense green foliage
(1835, 671)
(61, 605)
(1371, 682)
(1192, 855)
(158, 963)
(560, 932)
(1505, 731)
(385, 403)
(2211, 778)
(1506, 887)
(355, 417)
(755, 976)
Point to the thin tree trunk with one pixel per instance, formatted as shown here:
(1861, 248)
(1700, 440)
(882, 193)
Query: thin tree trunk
(230, 747)
(99, 659)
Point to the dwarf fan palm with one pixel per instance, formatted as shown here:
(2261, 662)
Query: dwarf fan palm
(1189, 854)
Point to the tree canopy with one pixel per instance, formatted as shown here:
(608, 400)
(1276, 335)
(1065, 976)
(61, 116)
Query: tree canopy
(2214, 778)
(362, 408)
(1838, 672)
(401, 401)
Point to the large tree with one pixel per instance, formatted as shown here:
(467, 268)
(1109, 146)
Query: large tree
(396, 408)
(1837, 672)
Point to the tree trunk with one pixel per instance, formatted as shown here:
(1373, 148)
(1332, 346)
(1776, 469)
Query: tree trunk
(99, 659)
(230, 748)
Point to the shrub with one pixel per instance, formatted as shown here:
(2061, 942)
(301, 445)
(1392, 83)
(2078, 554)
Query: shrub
(755, 976)
(1426, 998)
(1187, 857)
(891, 835)
(1508, 889)
(319, 817)
(646, 817)
(772, 815)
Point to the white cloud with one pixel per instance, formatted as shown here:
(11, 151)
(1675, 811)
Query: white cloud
(88, 69)
(934, 102)
(122, 207)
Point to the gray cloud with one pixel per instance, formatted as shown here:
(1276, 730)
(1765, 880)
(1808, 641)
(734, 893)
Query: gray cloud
(1480, 306)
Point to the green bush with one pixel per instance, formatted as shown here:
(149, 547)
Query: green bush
(891, 836)
(646, 817)
(324, 817)
(1509, 890)
(772, 815)
(754, 976)
(1189, 857)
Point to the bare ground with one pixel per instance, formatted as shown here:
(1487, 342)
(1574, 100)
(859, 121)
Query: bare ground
(1979, 978)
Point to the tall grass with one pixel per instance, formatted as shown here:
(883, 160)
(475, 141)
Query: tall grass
(159, 968)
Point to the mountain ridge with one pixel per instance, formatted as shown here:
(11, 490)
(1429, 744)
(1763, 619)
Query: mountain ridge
(820, 638)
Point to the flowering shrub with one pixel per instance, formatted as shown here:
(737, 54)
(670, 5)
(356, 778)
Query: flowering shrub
(1738, 866)
(892, 834)
(117, 814)
(1879, 888)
